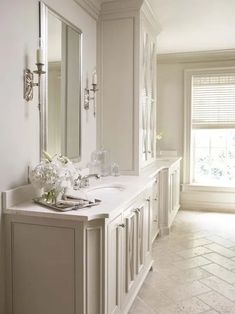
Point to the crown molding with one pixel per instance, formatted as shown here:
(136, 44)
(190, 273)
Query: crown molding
(150, 15)
(200, 56)
(91, 7)
(120, 6)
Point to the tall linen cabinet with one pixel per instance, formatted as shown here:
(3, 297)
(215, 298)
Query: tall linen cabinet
(127, 100)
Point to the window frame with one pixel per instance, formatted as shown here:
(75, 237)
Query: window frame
(187, 164)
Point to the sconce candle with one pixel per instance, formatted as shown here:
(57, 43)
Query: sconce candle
(40, 56)
(87, 96)
(94, 78)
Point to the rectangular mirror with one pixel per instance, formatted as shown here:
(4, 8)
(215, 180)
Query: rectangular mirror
(61, 90)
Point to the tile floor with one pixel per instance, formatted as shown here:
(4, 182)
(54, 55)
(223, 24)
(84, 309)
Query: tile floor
(194, 268)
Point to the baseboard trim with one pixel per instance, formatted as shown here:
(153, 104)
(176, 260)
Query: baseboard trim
(208, 207)
(208, 200)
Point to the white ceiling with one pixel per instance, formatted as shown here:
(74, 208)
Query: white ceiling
(195, 25)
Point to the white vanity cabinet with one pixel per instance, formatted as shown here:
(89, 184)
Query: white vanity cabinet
(115, 264)
(129, 253)
(169, 196)
(155, 209)
(59, 265)
(127, 66)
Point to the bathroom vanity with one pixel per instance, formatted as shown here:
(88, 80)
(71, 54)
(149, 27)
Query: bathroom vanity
(92, 260)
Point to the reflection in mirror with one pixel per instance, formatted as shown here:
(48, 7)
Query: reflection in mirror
(63, 86)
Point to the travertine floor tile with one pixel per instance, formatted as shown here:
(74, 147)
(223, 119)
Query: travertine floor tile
(190, 306)
(219, 240)
(186, 291)
(140, 307)
(221, 260)
(191, 243)
(159, 281)
(153, 297)
(194, 268)
(218, 302)
(220, 272)
(192, 262)
(190, 275)
(200, 250)
(221, 250)
(220, 286)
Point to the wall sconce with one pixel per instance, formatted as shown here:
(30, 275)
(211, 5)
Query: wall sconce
(29, 77)
(87, 93)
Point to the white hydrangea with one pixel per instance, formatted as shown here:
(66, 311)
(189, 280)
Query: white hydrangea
(54, 173)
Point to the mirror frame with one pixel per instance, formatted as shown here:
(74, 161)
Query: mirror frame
(43, 88)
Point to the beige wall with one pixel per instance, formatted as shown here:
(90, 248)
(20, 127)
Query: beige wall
(170, 90)
(19, 135)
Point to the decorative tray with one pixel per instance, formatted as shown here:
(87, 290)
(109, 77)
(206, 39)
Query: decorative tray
(67, 207)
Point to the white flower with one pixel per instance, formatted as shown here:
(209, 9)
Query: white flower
(55, 173)
(159, 136)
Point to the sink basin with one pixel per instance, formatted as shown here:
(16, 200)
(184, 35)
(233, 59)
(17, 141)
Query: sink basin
(112, 187)
(105, 191)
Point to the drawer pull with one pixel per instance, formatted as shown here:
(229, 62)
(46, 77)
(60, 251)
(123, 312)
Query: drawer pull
(122, 225)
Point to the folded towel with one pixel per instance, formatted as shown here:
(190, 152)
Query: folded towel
(71, 194)
(73, 202)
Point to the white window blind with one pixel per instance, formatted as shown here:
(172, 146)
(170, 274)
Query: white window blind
(213, 101)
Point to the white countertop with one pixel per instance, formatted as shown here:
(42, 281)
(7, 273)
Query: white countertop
(18, 201)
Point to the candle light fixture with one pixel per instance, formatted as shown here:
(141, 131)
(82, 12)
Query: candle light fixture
(29, 83)
(87, 93)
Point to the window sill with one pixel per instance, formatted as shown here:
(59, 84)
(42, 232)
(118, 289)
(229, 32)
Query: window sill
(207, 188)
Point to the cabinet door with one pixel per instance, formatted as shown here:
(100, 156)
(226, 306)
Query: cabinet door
(174, 189)
(171, 192)
(148, 222)
(177, 188)
(139, 237)
(130, 249)
(148, 97)
(115, 230)
(155, 210)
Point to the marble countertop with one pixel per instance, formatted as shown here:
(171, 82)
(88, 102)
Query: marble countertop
(19, 201)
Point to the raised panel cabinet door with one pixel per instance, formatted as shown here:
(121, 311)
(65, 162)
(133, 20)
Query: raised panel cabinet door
(130, 250)
(139, 238)
(177, 188)
(155, 210)
(148, 222)
(171, 192)
(43, 269)
(115, 230)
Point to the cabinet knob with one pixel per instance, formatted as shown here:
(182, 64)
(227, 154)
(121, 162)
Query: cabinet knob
(155, 220)
(156, 198)
(147, 199)
(122, 225)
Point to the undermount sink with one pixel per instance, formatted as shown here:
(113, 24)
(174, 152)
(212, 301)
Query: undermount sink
(111, 187)
(105, 191)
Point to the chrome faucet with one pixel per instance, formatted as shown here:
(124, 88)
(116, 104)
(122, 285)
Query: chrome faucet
(83, 181)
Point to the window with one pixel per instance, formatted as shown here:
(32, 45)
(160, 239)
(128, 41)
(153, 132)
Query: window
(211, 127)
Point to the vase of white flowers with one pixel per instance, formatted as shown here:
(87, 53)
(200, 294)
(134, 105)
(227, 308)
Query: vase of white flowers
(53, 175)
